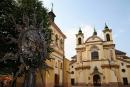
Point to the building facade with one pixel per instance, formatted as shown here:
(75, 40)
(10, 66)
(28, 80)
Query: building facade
(66, 73)
(98, 63)
(53, 76)
(57, 55)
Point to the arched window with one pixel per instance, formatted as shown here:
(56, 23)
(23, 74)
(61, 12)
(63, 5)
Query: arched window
(108, 37)
(56, 39)
(123, 70)
(79, 41)
(94, 52)
(72, 72)
(94, 55)
(61, 43)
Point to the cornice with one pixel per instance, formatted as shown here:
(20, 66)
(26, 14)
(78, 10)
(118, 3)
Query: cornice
(58, 29)
(81, 48)
(110, 66)
(82, 67)
(123, 60)
(128, 66)
(58, 52)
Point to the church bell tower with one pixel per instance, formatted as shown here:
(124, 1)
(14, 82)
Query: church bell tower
(79, 44)
(51, 15)
(79, 38)
(109, 43)
(107, 34)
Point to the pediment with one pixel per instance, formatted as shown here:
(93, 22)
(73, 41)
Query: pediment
(94, 38)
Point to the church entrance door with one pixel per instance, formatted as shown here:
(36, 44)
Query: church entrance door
(56, 80)
(96, 81)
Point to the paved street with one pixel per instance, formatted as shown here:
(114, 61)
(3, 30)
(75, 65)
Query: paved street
(86, 86)
(79, 86)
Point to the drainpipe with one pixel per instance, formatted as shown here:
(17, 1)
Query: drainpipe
(63, 72)
(63, 67)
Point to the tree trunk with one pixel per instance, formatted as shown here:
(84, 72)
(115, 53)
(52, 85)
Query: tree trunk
(30, 78)
(14, 83)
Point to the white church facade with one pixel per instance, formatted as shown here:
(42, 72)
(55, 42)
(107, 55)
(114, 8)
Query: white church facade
(98, 63)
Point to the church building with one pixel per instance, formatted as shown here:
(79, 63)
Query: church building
(98, 63)
(57, 72)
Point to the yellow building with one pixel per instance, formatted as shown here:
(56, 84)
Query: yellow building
(53, 75)
(57, 56)
(66, 73)
(98, 63)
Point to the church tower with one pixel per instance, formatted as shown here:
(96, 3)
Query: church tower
(79, 38)
(51, 15)
(109, 43)
(79, 44)
(107, 34)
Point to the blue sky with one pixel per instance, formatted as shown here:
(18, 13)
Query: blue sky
(72, 14)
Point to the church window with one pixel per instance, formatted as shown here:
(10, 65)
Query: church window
(79, 41)
(88, 78)
(108, 37)
(72, 72)
(56, 39)
(61, 43)
(125, 81)
(123, 70)
(94, 55)
(72, 81)
(103, 77)
(122, 64)
(72, 66)
(94, 52)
